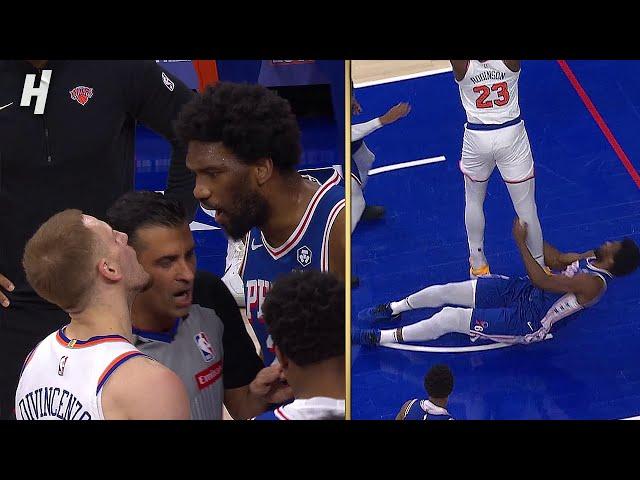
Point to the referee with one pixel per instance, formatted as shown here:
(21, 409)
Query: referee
(78, 154)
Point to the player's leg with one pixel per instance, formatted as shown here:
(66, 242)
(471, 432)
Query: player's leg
(474, 221)
(458, 293)
(447, 320)
(434, 296)
(357, 203)
(515, 162)
(476, 164)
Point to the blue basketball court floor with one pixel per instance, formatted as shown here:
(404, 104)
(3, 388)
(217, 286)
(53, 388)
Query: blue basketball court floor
(590, 369)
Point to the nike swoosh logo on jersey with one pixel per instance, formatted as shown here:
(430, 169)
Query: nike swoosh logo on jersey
(7, 105)
(529, 323)
(254, 246)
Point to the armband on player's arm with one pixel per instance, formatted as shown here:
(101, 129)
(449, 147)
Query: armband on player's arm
(361, 130)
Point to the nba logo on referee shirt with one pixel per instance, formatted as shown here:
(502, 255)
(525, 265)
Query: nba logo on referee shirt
(203, 344)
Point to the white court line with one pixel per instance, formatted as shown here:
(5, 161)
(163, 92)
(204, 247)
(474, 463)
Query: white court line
(400, 78)
(474, 348)
(413, 163)
(631, 418)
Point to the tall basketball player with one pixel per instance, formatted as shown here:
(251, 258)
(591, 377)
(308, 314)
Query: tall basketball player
(495, 135)
(89, 369)
(244, 145)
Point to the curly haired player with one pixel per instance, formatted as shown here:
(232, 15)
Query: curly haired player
(438, 383)
(244, 145)
(304, 312)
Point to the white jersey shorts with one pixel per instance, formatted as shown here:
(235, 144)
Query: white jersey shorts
(506, 147)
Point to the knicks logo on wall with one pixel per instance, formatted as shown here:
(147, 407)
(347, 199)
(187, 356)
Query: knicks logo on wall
(81, 94)
(304, 256)
(204, 346)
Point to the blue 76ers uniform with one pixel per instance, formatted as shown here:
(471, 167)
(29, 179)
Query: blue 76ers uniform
(306, 248)
(425, 410)
(513, 310)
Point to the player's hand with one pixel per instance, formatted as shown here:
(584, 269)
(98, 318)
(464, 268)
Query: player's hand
(395, 113)
(5, 284)
(356, 109)
(270, 385)
(519, 230)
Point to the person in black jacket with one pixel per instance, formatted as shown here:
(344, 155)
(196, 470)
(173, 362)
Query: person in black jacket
(79, 154)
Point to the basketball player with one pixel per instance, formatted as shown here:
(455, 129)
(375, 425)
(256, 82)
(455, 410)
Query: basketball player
(92, 111)
(495, 135)
(89, 369)
(362, 158)
(188, 320)
(510, 310)
(244, 145)
(304, 312)
(438, 383)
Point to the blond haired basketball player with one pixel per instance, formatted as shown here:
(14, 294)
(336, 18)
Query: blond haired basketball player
(89, 370)
(495, 135)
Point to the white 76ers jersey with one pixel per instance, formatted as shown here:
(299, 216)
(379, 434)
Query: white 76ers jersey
(63, 378)
(489, 92)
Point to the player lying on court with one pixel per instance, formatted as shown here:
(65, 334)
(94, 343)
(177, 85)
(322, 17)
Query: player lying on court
(510, 310)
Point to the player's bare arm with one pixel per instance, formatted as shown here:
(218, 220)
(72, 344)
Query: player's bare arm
(513, 65)
(585, 287)
(459, 68)
(336, 246)
(143, 389)
(395, 113)
(557, 260)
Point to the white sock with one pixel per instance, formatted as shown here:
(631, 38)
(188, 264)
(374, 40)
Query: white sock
(524, 202)
(457, 293)
(388, 336)
(474, 195)
(447, 320)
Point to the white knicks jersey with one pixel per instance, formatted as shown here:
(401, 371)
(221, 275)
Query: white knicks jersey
(489, 92)
(62, 378)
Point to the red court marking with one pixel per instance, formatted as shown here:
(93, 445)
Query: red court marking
(600, 121)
